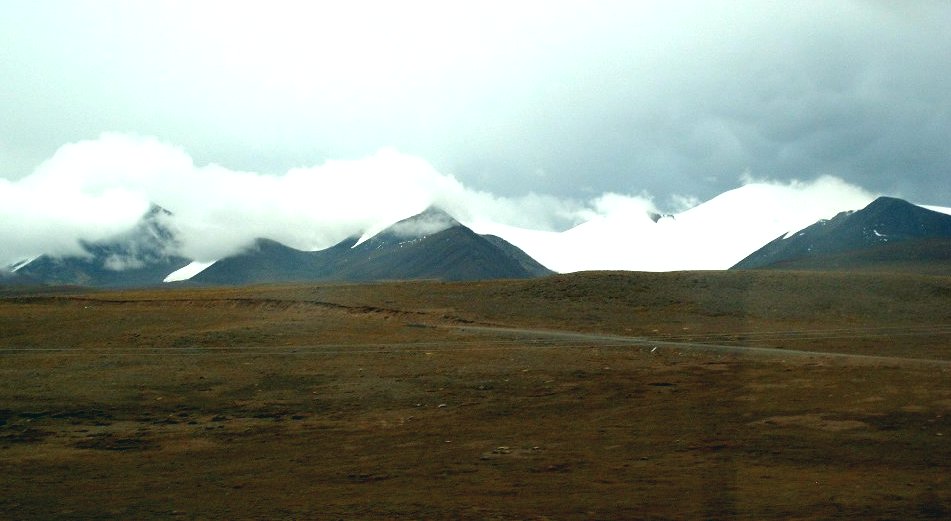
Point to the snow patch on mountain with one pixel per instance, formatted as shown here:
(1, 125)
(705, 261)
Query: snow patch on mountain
(187, 272)
(940, 209)
(17, 265)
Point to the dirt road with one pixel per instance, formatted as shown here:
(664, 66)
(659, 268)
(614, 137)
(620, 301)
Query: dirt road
(653, 344)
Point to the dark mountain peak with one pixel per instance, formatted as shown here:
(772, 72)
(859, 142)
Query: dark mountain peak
(428, 245)
(886, 202)
(890, 208)
(264, 245)
(854, 234)
(890, 219)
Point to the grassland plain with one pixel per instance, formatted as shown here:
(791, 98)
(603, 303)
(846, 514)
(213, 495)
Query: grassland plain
(431, 400)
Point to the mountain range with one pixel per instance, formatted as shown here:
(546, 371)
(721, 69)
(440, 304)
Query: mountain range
(889, 234)
(430, 245)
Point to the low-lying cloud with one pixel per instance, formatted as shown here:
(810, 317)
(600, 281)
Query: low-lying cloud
(92, 190)
(624, 232)
(96, 189)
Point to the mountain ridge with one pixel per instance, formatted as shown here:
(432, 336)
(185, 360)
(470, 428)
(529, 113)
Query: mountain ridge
(887, 232)
(429, 245)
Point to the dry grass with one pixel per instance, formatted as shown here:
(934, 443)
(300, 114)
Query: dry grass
(364, 401)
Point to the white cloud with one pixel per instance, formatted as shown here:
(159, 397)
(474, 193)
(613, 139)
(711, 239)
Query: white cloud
(681, 203)
(599, 96)
(40, 215)
(97, 188)
(939, 209)
(123, 262)
(713, 235)
(94, 189)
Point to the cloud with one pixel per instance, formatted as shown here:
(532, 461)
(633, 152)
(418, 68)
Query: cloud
(40, 215)
(620, 234)
(671, 97)
(123, 262)
(95, 189)
(425, 224)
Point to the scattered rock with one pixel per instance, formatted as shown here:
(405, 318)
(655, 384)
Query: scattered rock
(22, 434)
(114, 443)
(367, 477)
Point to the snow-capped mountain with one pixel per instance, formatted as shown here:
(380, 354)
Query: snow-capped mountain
(888, 233)
(430, 245)
(142, 255)
(717, 234)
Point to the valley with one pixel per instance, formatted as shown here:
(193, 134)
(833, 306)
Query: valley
(599, 395)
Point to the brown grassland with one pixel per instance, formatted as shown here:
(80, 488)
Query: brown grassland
(430, 400)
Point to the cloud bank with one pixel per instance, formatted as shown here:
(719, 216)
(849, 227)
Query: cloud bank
(96, 189)
(621, 233)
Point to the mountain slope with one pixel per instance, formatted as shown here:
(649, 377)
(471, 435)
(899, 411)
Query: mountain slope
(271, 261)
(431, 245)
(889, 233)
(141, 256)
(456, 253)
(527, 263)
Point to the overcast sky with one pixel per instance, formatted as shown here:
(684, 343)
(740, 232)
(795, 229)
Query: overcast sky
(546, 101)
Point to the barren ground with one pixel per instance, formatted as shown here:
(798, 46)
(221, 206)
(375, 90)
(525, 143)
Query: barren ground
(662, 396)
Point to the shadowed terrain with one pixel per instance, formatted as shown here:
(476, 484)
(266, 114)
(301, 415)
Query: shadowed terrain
(693, 395)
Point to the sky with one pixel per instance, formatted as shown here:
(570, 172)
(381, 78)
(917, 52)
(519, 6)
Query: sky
(252, 118)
